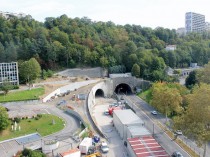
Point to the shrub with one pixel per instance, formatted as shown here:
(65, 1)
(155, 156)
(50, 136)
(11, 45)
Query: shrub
(36, 118)
(39, 115)
(17, 119)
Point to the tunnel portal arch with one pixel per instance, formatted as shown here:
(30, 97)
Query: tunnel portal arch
(123, 88)
(99, 93)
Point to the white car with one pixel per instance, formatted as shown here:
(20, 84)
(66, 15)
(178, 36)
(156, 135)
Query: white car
(178, 132)
(104, 147)
(154, 112)
(106, 112)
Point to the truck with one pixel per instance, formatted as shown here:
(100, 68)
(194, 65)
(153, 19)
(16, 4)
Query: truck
(85, 144)
(111, 109)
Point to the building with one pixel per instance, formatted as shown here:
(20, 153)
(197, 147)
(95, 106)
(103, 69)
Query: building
(170, 47)
(122, 122)
(180, 31)
(9, 72)
(194, 22)
(207, 26)
(9, 15)
(144, 147)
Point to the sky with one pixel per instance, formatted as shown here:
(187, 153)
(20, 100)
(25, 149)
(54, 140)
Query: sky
(147, 13)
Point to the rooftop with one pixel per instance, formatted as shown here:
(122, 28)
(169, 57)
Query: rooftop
(147, 146)
(130, 118)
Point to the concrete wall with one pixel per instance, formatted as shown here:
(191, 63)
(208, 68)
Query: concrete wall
(106, 86)
(77, 115)
(47, 148)
(70, 87)
(132, 82)
(28, 102)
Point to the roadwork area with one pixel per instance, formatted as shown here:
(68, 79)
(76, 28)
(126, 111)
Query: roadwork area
(104, 122)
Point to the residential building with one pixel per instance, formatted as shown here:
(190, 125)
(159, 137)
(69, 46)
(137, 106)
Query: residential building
(194, 22)
(8, 14)
(9, 72)
(180, 31)
(170, 47)
(207, 26)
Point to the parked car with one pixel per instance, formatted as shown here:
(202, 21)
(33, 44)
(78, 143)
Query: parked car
(177, 154)
(154, 112)
(178, 132)
(106, 112)
(91, 150)
(104, 147)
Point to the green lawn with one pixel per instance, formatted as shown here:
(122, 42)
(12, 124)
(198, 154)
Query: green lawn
(146, 95)
(32, 94)
(43, 126)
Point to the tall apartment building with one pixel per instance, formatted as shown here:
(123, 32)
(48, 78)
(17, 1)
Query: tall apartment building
(9, 72)
(194, 22)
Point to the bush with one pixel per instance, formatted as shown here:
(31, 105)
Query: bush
(29, 121)
(17, 120)
(36, 118)
(39, 115)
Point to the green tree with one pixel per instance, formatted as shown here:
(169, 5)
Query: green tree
(4, 120)
(6, 86)
(203, 74)
(30, 70)
(195, 122)
(166, 99)
(135, 70)
(32, 153)
(191, 80)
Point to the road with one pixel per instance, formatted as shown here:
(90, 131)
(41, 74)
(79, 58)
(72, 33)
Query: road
(143, 111)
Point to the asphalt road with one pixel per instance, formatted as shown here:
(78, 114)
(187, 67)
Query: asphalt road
(142, 110)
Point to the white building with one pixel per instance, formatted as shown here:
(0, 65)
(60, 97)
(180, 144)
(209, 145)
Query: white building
(8, 14)
(170, 47)
(180, 31)
(123, 119)
(194, 22)
(207, 26)
(9, 72)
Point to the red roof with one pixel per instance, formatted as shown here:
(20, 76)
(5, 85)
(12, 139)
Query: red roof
(147, 146)
(70, 152)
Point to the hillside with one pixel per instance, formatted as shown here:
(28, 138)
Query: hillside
(66, 42)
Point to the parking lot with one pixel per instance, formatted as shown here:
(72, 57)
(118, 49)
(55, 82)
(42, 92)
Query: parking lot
(105, 124)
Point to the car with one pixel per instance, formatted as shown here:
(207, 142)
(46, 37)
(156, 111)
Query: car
(178, 132)
(104, 147)
(154, 112)
(115, 104)
(106, 112)
(91, 150)
(177, 154)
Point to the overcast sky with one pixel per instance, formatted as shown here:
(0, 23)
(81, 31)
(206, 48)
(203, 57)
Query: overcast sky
(148, 13)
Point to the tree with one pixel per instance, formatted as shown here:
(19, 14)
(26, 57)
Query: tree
(30, 70)
(4, 120)
(195, 122)
(6, 86)
(32, 153)
(203, 74)
(135, 70)
(191, 80)
(166, 99)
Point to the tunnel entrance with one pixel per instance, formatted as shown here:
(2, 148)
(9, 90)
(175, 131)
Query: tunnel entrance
(99, 93)
(123, 89)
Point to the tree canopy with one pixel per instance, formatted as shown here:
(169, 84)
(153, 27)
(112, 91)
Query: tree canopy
(68, 42)
(4, 120)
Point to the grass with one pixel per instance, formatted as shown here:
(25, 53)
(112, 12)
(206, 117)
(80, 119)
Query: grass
(146, 95)
(32, 94)
(43, 126)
